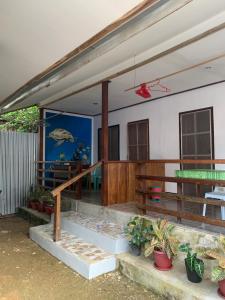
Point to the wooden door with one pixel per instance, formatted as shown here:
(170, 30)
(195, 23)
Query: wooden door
(114, 143)
(138, 140)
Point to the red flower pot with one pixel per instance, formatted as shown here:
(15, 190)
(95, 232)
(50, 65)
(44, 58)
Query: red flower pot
(221, 290)
(40, 207)
(34, 204)
(49, 209)
(156, 190)
(162, 261)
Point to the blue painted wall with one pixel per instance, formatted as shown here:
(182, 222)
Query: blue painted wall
(68, 137)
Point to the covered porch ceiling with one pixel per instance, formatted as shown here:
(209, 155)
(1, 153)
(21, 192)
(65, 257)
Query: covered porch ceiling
(156, 44)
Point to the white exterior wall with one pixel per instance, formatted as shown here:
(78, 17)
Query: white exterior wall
(163, 115)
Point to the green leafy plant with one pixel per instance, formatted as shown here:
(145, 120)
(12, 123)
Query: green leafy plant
(218, 273)
(39, 194)
(137, 230)
(162, 239)
(193, 262)
(24, 120)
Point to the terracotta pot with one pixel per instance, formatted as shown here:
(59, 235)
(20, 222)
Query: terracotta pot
(40, 207)
(34, 204)
(49, 209)
(162, 261)
(222, 287)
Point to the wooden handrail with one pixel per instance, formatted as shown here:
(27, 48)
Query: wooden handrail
(55, 161)
(197, 181)
(57, 193)
(172, 161)
(180, 198)
(69, 182)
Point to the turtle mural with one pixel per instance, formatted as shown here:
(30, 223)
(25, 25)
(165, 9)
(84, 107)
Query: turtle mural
(61, 135)
(68, 137)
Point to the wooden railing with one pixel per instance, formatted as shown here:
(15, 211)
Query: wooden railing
(68, 170)
(57, 194)
(179, 197)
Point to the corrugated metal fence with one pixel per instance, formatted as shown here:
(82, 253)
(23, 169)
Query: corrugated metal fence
(18, 151)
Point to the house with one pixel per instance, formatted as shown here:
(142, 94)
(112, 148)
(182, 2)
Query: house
(142, 98)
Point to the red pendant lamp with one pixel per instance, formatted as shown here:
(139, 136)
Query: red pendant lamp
(143, 91)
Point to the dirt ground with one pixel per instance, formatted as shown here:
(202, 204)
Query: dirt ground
(28, 273)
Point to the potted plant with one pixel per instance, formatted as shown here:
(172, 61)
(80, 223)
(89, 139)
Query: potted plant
(48, 202)
(136, 231)
(34, 197)
(218, 272)
(194, 265)
(209, 262)
(162, 244)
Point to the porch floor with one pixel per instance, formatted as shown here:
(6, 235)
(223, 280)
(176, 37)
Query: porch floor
(94, 197)
(215, 213)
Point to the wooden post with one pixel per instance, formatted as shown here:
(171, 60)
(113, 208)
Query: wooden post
(179, 203)
(57, 218)
(79, 183)
(105, 143)
(41, 150)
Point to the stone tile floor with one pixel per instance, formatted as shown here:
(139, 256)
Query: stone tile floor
(75, 245)
(97, 224)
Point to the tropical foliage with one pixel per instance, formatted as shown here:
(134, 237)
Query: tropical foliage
(218, 273)
(38, 193)
(161, 239)
(193, 262)
(137, 230)
(25, 120)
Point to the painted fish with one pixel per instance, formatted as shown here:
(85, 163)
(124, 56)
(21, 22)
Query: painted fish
(60, 136)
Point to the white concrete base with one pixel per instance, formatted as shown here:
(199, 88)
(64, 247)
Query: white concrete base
(171, 284)
(83, 257)
(101, 232)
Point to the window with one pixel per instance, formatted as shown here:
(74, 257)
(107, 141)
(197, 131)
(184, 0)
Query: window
(138, 140)
(196, 140)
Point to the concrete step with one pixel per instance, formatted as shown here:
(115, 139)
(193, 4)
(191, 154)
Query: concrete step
(101, 232)
(171, 284)
(83, 257)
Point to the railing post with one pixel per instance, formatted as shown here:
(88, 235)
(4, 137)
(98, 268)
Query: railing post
(79, 183)
(57, 218)
(179, 203)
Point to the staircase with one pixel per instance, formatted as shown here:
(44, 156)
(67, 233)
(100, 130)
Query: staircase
(88, 244)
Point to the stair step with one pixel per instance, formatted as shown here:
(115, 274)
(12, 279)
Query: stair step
(103, 233)
(169, 285)
(85, 258)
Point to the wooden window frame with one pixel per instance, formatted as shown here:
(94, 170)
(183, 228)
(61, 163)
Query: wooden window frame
(210, 108)
(148, 141)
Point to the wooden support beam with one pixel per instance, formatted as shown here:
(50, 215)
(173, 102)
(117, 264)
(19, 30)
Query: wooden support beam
(41, 142)
(79, 183)
(105, 142)
(57, 218)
